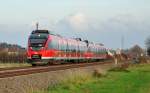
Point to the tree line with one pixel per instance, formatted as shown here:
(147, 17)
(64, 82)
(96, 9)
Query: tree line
(13, 58)
(12, 53)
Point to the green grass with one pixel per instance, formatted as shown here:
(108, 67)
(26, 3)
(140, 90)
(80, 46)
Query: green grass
(135, 80)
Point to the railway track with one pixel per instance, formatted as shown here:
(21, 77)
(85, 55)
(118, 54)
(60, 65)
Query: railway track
(10, 72)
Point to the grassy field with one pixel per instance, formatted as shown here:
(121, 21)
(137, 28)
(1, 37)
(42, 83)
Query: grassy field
(7, 65)
(136, 79)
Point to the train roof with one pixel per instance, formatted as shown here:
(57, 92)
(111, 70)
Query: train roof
(33, 36)
(44, 32)
(52, 33)
(40, 31)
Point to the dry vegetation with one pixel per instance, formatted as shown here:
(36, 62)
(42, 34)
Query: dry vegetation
(8, 65)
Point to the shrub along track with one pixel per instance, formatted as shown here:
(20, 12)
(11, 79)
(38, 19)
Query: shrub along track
(10, 72)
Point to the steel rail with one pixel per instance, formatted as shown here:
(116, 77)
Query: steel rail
(31, 70)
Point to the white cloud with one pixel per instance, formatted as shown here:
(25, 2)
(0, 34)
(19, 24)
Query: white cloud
(77, 22)
(80, 22)
(127, 23)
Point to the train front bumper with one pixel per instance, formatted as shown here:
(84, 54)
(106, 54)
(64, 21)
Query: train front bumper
(42, 60)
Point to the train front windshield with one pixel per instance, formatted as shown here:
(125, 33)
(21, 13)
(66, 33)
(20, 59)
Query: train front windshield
(38, 40)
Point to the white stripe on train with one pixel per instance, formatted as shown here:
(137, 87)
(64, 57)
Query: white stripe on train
(58, 58)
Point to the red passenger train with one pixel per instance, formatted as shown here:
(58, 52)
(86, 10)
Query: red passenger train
(44, 47)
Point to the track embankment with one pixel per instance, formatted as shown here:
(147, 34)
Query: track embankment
(30, 79)
(6, 72)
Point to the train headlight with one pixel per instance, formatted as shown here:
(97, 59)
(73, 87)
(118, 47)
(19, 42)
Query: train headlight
(30, 47)
(42, 48)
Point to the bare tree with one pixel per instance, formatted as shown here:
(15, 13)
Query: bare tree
(136, 51)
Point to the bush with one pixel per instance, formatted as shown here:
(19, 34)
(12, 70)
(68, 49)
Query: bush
(122, 68)
(13, 58)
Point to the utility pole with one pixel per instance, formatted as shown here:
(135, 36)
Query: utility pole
(37, 26)
(122, 42)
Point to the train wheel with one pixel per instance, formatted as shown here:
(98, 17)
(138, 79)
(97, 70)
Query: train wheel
(33, 65)
(51, 63)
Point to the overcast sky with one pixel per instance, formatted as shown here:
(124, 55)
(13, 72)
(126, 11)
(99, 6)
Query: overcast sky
(104, 21)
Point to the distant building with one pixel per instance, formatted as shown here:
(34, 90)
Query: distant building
(13, 51)
(118, 51)
(3, 50)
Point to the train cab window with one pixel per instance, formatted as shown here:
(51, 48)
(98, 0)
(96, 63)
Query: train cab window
(37, 40)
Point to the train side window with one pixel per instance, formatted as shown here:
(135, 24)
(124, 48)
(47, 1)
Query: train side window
(53, 44)
(103, 50)
(60, 44)
(63, 45)
(79, 47)
(56, 44)
(50, 45)
(100, 50)
(73, 47)
(69, 46)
